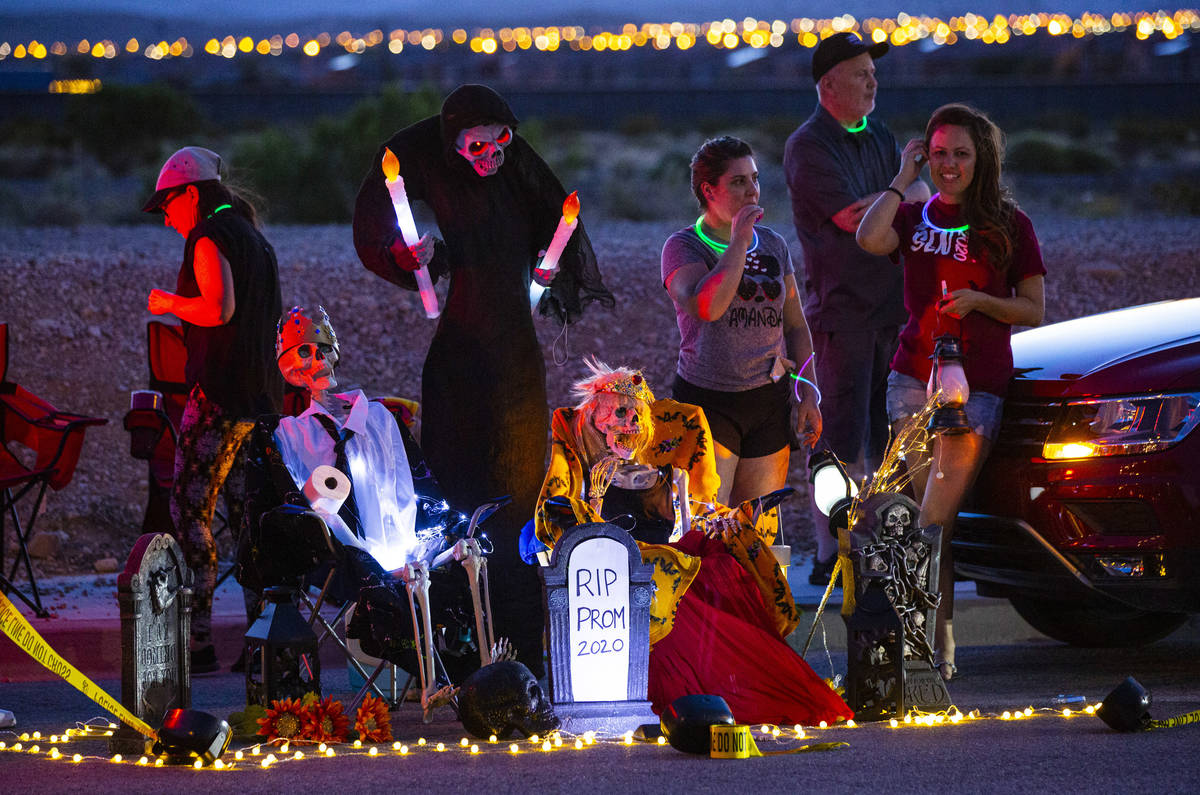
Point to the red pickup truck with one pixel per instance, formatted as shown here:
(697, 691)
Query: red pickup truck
(1086, 515)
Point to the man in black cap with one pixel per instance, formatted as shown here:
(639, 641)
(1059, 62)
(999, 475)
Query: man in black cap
(837, 163)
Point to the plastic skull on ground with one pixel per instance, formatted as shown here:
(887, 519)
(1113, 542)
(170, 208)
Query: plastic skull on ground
(502, 698)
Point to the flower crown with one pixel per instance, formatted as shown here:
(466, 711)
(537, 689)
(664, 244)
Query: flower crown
(617, 380)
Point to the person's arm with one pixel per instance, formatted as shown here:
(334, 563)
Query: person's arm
(1026, 308)
(875, 233)
(798, 340)
(215, 305)
(706, 294)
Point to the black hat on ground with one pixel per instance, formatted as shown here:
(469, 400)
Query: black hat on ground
(842, 47)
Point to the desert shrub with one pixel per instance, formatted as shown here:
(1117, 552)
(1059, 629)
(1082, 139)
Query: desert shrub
(296, 180)
(1049, 154)
(1072, 123)
(124, 126)
(1161, 137)
(1179, 195)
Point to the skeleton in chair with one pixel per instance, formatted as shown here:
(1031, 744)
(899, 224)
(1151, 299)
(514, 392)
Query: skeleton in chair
(721, 607)
(347, 460)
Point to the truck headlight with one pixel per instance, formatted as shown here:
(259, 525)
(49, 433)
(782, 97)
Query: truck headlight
(1122, 426)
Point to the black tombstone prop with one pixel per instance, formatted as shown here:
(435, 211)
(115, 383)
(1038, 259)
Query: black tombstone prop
(889, 660)
(597, 596)
(154, 594)
(281, 653)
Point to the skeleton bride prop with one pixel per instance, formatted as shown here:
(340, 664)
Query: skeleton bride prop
(722, 606)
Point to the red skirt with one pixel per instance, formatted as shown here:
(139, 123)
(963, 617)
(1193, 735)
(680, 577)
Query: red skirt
(724, 643)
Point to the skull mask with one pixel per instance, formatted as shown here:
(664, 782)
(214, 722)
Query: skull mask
(307, 348)
(483, 146)
(503, 697)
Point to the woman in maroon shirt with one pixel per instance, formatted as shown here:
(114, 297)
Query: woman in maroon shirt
(972, 268)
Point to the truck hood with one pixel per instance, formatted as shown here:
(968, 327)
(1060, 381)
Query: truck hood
(1148, 348)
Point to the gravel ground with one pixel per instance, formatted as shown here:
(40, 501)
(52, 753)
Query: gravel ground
(75, 300)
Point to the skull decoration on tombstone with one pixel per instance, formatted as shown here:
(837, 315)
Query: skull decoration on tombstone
(502, 698)
(483, 147)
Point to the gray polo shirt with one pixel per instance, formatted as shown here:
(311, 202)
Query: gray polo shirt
(827, 169)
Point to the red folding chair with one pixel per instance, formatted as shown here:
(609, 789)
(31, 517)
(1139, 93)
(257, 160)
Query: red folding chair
(40, 449)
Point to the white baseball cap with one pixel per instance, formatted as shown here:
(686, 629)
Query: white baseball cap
(190, 164)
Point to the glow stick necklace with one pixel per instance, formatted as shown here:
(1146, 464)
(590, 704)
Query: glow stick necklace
(862, 125)
(932, 225)
(717, 245)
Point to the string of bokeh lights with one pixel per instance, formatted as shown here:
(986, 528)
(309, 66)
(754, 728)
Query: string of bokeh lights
(265, 755)
(726, 34)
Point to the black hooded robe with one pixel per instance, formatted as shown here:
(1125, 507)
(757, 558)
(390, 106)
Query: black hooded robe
(485, 422)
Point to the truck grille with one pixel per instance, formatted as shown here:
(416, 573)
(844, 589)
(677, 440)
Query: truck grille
(1025, 427)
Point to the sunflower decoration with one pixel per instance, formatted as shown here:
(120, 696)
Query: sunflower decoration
(325, 722)
(284, 720)
(372, 722)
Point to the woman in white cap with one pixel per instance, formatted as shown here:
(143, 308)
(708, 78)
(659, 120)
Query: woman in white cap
(228, 299)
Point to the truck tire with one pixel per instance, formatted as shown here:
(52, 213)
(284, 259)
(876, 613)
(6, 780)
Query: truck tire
(1094, 626)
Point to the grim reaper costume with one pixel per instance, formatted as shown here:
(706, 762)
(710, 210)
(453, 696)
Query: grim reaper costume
(486, 419)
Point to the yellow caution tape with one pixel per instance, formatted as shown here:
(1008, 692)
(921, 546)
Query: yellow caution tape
(846, 568)
(18, 628)
(732, 742)
(736, 742)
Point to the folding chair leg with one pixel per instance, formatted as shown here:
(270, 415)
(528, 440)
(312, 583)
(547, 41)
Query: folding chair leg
(6, 581)
(328, 631)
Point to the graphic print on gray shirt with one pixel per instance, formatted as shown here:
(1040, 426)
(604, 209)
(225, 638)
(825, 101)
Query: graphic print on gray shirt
(735, 352)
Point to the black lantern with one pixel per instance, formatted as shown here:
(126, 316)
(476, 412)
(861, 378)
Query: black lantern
(833, 490)
(281, 652)
(948, 385)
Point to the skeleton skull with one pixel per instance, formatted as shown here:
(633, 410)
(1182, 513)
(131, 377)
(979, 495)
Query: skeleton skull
(623, 422)
(483, 147)
(307, 348)
(503, 697)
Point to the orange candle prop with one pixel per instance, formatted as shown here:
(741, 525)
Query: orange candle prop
(566, 225)
(408, 227)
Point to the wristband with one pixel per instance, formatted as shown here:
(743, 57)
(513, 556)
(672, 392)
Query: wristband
(896, 191)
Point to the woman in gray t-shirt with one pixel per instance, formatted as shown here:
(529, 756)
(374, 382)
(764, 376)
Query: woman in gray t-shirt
(741, 326)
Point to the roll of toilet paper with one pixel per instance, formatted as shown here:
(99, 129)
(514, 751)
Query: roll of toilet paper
(326, 489)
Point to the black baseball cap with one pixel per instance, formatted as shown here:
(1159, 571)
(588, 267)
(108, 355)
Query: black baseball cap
(842, 47)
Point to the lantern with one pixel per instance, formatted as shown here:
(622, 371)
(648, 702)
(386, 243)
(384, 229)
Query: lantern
(948, 387)
(282, 659)
(833, 490)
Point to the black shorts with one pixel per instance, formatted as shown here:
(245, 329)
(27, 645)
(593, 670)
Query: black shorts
(750, 424)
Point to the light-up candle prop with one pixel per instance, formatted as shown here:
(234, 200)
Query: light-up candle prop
(408, 227)
(562, 234)
(566, 226)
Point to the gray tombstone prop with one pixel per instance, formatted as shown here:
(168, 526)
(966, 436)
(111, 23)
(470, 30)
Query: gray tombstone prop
(598, 593)
(155, 596)
(889, 661)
